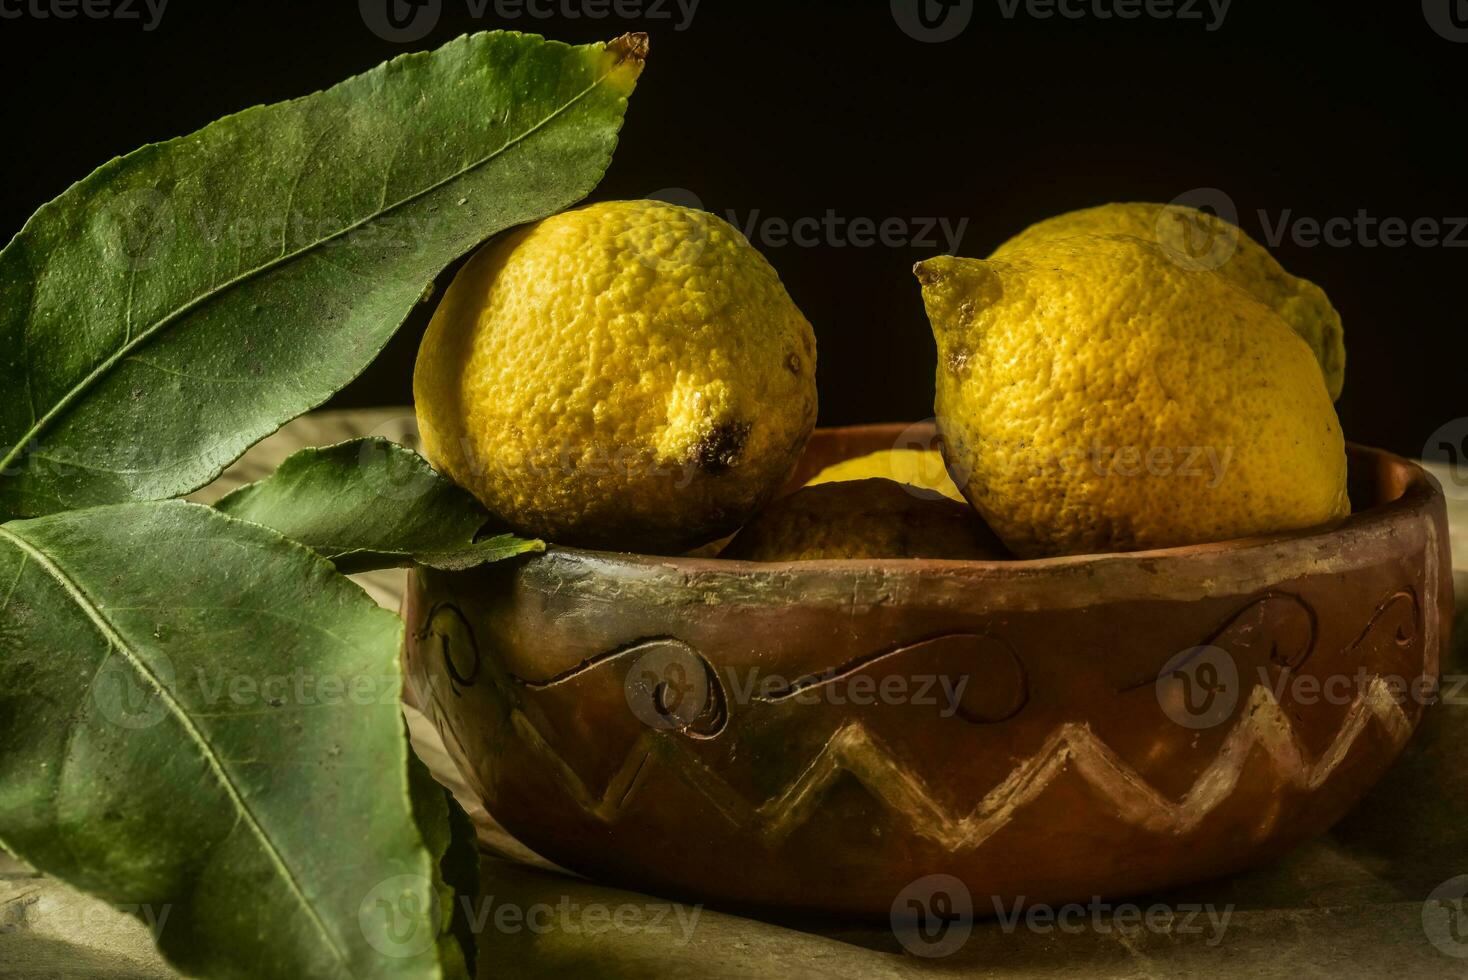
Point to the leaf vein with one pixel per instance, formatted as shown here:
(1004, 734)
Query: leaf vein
(290, 197)
(110, 362)
(127, 321)
(19, 570)
(121, 471)
(138, 359)
(273, 614)
(69, 747)
(109, 632)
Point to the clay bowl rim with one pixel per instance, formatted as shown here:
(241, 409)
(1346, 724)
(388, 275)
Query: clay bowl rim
(1418, 495)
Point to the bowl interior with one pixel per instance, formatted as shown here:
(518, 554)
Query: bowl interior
(1369, 483)
(1379, 484)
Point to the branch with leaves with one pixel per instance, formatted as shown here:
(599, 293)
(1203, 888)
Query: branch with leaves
(197, 708)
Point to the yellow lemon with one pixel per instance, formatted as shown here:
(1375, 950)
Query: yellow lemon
(922, 468)
(630, 374)
(1095, 395)
(1203, 240)
(872, 518)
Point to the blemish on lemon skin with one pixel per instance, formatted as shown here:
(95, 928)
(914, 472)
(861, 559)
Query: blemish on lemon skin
(721, 448)
(955, 359)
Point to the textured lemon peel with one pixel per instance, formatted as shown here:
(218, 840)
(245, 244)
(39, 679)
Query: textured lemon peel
(1095, 395)
(630, 374)
(865, 518)
(1202, 240)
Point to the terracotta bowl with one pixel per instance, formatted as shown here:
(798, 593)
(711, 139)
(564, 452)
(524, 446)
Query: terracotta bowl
(816, 736)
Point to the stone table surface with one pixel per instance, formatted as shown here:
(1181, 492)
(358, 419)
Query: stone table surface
(1353, 903)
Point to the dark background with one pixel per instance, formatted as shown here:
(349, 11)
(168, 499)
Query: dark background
(790, 109)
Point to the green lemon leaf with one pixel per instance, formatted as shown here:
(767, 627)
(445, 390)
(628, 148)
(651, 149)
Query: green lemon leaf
(370, 503)
(449, 837)
(184, 301)
(200, 722)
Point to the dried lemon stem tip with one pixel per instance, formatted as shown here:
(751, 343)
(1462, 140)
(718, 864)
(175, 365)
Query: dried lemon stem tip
(955, 290)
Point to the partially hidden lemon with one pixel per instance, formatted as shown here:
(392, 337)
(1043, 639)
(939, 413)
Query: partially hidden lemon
(1095, 395)
(631, 374)
(921, 468)
(1202, 240)
(871, 518)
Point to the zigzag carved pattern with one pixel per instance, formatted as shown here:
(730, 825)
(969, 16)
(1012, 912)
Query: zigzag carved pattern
(852, 749)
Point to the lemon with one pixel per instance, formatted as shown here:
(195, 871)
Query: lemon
(872, 518)
(1203, 240)
(1095, 395)
(921, 468)
(630, 374)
